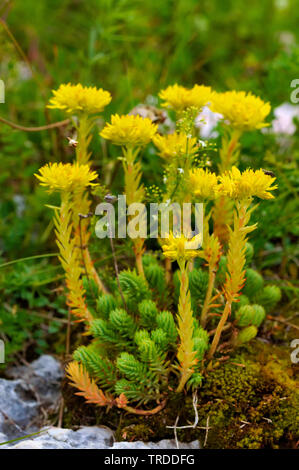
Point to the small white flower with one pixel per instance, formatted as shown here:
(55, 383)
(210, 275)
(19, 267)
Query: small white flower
(72, 142)
(180, 170)
(284, 116)
(206, 121)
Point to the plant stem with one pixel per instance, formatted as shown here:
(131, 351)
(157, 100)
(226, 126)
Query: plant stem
(205, 309)
(134, 191)
(139, 264)
(35, 129)
(136, 411)
(220, 326)
(186, 353)
(168, 273)
(228, 148)
(84, 137)
(93, 271)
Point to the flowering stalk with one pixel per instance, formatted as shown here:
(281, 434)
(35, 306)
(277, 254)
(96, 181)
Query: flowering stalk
(230, 149)
(134, 191)
(211, 254)
(69, 259)
(69, 180)
(186, 354)
(81, 206)
(222, 217)
(131, 133)
(244, 112)
(183, 251)
(235, 277)
(84, 128)
(82, 202)
(85, 103)
(223, 208)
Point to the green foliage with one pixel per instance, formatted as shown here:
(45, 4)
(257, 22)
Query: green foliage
(254, 282)
(118, 330)
(263, 388)
(250, 315)
(105, 304)
(195, 381)
(131, 349)
(165, 321)
(122, 322)
(148, 313)
(243, 300)
(29, 314)
(249, 252)
(268, 297)
(131, 367)
(221, 273)
(134, 287)
(91, 289)
(201, 342)
(246, 334)
(98, 366)
(155, 276)
(198, 282)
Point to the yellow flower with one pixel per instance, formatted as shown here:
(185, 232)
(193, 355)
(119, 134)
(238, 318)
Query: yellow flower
(180, 248)
(244, 185)
(175, 145)
(129, 130)
(179, 98)
(203, 183)
(244, 111)
(79, 99)
(66, 176)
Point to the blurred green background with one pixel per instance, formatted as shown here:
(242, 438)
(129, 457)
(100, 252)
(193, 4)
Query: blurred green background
(133, 49)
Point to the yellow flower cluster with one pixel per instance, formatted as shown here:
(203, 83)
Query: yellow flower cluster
(180, 248)
(204, 184)
(79, 99)
(244, 185)
(129, 130)
(243, 111)
(66, 177)
(180, 98)
(175, 145)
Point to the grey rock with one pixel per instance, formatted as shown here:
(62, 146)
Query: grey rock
(89, 438)
(164, 444)
(31, 389)
(17, 407)
(56, 438)
(44, 376)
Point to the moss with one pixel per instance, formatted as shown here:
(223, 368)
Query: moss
(255, 406)
(251, 401)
